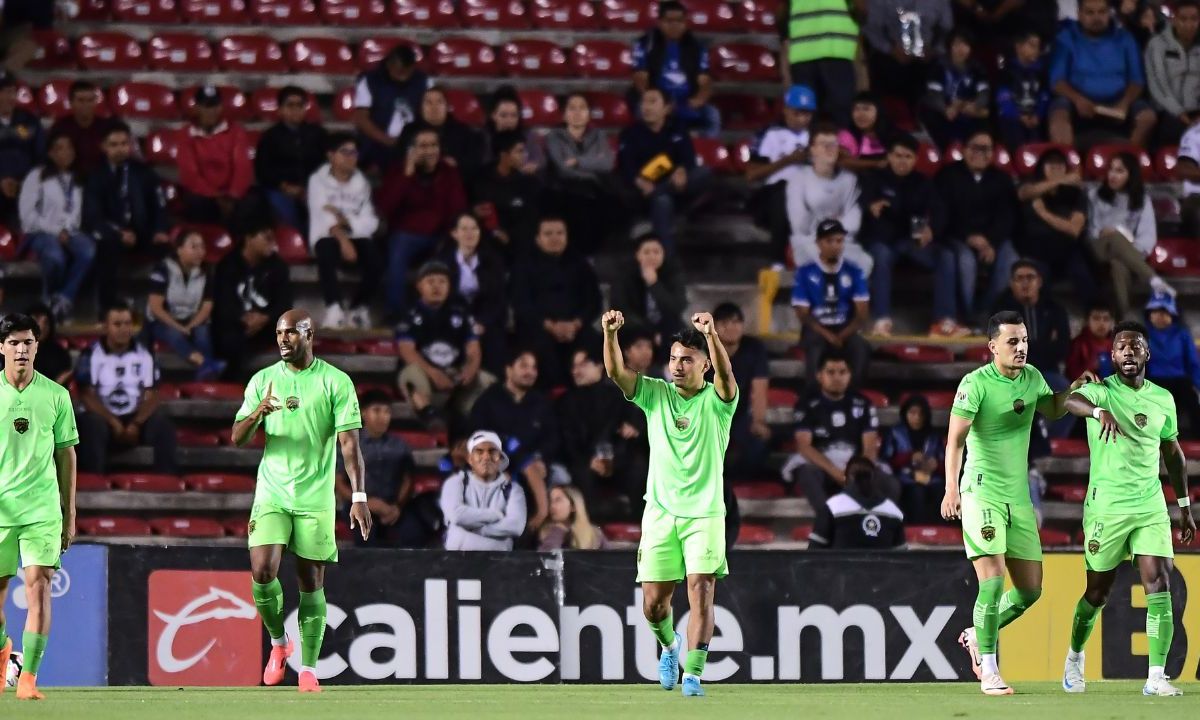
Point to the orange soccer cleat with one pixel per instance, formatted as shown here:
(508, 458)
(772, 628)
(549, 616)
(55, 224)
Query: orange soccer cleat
(273, 673)
(27, 688)
(5, 654)
(308, 682)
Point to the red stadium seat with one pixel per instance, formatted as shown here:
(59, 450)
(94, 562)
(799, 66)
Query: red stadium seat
(219, 483)
(744, 112)
(425, 13)
(26, 100)
(91, 482)
(147, 482)
(54, 99)
(188, 437)
(53, 51)
(334, 346)
(237, 527)
(427, 484)
(629, 15)
(602, 59)
(1001, 158)
(284, 12)
(224, 12)
(922, 354)
(420, 440)
(233, 101)
(800, 533)
(321, 55)
(1053, 537)
(377, 347)
(1068, 447)
(750, 534)
(373, 50)
(112, 526)
(1165, 161)
(626, 532)
(264, 106)
(539, 108)
(465, 106)
(167, 391)
(9, 244)
(211, 390)
(149, 101)
(1176, 256)
(1027, 157)
(933, 535)
(759, 16)
(1072, 493)
(82, 341)
(741, 152)
(181, 52)
(463, 56)
(343, 104)
(761, 490)
(1099, 155)
(217, 240)
(608, 110)
(111, 51)
(494, 14)
(876, 398)
(744, 61)
(712, 154)
(571, 15)
(187, 527)
(929, 159)
(342, 531)
(93, 11)
(979, 353)
(161, 147)
(938, 399)
(782, 397)
(250, 53)
(534, 58)
(361, 13)
(714, 16)
(146, 11)
(1191, 448)
(293, 249)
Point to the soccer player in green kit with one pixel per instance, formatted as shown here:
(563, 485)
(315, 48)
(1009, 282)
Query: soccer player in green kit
(37, 490)
(1125, 512)
(294, 501)
(992, 416)
(683, 526)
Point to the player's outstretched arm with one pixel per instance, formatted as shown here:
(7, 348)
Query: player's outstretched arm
(1055, 406)
(723, 379)
(614, 361)
(1079, 406)
(956, 440)
(1177, 470)
(64, 465)
(356, 473)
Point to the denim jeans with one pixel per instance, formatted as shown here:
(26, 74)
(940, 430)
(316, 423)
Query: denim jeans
(664, 200)
(289, 210)
(404, 249)
(968, 273)
(182, 345)
(935, 257)
(64, 267)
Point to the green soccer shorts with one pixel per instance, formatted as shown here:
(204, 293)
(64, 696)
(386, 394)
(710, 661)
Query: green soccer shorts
(674, 547)
(991, 527)
(309, 535)
(1110, 538)
(38, 543)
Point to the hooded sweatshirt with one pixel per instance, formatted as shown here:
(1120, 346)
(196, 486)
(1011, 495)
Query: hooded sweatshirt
(50, 202)
(352, 198)
(217, 163)
(1173, 73)
(1172, 353)
(482, 515)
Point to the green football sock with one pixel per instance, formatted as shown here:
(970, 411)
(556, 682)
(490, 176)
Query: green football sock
(1160, 626)
(33, 645)
(312, 626)
(664, 630)
(1015, 602)
(1081, 625)
(3, 635)
(986, 616)
(693, 664)
(268, 599)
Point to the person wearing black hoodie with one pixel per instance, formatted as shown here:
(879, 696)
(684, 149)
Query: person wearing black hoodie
(861, 517)
(288, 153)
(651, 292)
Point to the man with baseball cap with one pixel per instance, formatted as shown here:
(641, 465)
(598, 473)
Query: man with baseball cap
(214, 160)
(776, 157)
(483, 508)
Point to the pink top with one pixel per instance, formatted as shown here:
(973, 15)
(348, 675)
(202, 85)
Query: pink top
(869, 145)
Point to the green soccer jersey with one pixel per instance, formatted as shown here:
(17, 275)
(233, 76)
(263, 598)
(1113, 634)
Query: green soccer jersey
(298, 464)
(1124, 474)
(1001, 413)
(688, 438)
(39, 420)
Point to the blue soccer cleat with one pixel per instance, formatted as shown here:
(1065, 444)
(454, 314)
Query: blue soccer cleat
(668, 665)
(691, 687)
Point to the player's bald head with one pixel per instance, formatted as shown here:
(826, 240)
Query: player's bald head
(296, 319)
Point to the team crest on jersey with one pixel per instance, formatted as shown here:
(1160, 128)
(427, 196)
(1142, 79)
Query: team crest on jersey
(988, 533)
(871, 525)
(1018, 406)
(250, 528)
(1093, 546)
(21, 425)
(1140, 420)
(292, 402)
(682, 423)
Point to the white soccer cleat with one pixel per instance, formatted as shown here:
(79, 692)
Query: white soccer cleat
(994, 685)
(971, 645)
(1159, 687)
(1073, 681)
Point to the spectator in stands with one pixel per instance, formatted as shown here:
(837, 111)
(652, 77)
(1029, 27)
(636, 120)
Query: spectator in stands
(483, 508)
(117, 377)
(639, 347)
(1123, 230)
(462, 145)
(389, 483)
(252, 287)
(1054, 216)
(478, 276)
(1172, 74)
(581, 174)
(215, 170)
(1187, 169)
(556, 301)
(1096, 72)
(658, 163)
(1046, 322)
(386, 99)
(1142, 18)
(527, 416)
(1174, 363)
(671, 58)
(833, 424)
(22, 144)
(914, 451)
(506, 199)
(123, 209)
(830, 298)
(903, 218)
(85, 128)
(1005, 19)
(981, 219)
(1092, 347)
(342, 225)
(1023, 93)
(179, 306)
(650, 291)
(864, 142)
(20, 19)
(818, 48)
(51, 208)
(568, 526)
(861, 516)
(823, 191)
(775, 158)
(749, 433)
(507, 116)
(957, 95)
(436, 340)
(288, 153)
(53, 359)
(902, 39)
(419, 198)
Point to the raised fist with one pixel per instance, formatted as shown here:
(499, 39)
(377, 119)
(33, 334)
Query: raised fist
(612, 321)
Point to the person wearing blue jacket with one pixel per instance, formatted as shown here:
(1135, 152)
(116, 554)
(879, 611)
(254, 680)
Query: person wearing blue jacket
(1174, 363)
(1023, 93)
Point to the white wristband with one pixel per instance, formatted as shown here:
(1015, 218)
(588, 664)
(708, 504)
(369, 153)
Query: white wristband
(1096, 412)
(1184, 501)
(358, 497)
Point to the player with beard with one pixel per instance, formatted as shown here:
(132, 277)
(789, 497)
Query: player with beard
(1125, 513)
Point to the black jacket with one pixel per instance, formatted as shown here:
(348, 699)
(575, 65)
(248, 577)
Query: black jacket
(589, 415)
(517, 199)
(458, 141)
(909, 196)
(104, 215)
(527, 427)
(639, 144)
(239, 289)
(629, 295)
(490, 306)
(1049, 330)
(986, 206)
(289, 155)
(1037, 239)
(546, 287)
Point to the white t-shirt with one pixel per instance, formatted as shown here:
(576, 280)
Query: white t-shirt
(776, 142)
(1189, 147)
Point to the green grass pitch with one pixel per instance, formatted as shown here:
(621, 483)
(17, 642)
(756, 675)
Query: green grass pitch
(1034, 701)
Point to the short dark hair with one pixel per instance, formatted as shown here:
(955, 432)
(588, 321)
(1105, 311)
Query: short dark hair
(823, 127)
(960, 33)
(81, 86)
(504, 142)
(550, 218)
(667, 6)
(637, 333)
(1132, 326)
(19, 322)
(980, 131)
(117, 126)
(1187, 3)
(904, 140)
(662, 93)
(338, 139)
(374, 397)
(590, 350)
(1006, 317)
(691, 338)
(115, 306)
(1101, 306)
(833, 355)
(727, 311)
(1027, 33)
(1024, 263)
(645, 238)
(517, 353)
(403, 53)
(290, 91)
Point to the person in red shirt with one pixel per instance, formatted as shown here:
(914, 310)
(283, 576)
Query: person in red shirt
(215, 170)
(1091, 348)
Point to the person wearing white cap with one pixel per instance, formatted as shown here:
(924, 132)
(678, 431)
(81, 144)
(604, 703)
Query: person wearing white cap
(484, 509)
